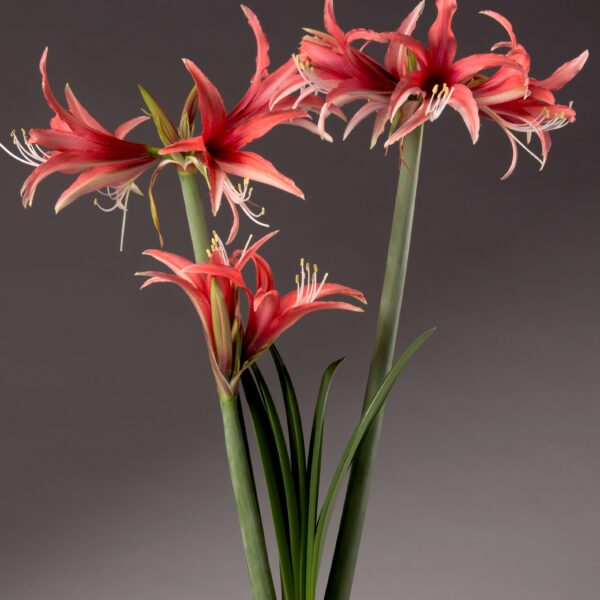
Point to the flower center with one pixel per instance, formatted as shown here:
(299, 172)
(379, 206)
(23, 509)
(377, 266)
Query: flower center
(307, 284)
(440, 96)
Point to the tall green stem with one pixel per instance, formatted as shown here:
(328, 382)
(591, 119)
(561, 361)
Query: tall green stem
(195, 214)
(244, 489)
(246, 501)
(339, 585)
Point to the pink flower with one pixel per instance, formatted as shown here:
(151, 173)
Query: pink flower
(519, 104)
(439, 79)
(224, 135)
(235, 342)
(331, 65)
(77, 143)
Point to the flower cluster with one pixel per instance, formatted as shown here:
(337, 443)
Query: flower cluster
(416, 82)
(234, 339)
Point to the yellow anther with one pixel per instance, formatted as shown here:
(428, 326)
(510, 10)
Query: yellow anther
(436, 87)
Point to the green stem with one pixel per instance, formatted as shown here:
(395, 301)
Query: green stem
(195, 214)
(339, 585)
(246, 501)
(240, 468)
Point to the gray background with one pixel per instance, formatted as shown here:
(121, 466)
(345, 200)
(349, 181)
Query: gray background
(113, 481)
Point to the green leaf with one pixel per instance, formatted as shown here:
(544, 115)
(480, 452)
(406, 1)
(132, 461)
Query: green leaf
(363, 426)
(166, 130)
(314, 466)
(284, 462)
(273, 478)
(298, 458)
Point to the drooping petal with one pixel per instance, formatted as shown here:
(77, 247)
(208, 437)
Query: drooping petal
(505, 23)
(210, 103)
(96, 178)
(360, 115)
(464, 103)
(256, 168)
(411, 84)
(419, 117)
(441, 39)
(217, 182)
(63, 162)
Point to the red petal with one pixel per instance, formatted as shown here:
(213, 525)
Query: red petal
(470, 65)
(123, 129)
(81, 113)
(441, 39)
(210, 103)
(262, 62)
(193, 144)
(255, 127)
(331, 24)
(96, 178)
(255, 167)
(395, 54)
(564, 73)
(464, 103)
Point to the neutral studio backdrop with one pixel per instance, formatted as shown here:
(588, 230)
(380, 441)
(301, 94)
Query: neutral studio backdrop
(113, 480)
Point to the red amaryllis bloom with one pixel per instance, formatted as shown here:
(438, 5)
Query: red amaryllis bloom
(330, 64)
(235, 342)
(520, 104)
(439, 78)
(224, 135)
(77, 143)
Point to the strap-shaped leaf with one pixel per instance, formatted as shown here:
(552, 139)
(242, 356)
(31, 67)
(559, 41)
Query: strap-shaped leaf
(273, 478)
(314, 473)
(298, 459)
(284, 462)
(374, 407)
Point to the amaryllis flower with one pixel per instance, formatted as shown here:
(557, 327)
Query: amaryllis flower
(521, 104)
(439, 79)
(235, 341)
(331, 65)
(77, 143)
(224, 136)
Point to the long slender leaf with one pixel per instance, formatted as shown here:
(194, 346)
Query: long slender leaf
(298, 459)
(273, 478)
(286, 469)
(363, 426)
(314, 466)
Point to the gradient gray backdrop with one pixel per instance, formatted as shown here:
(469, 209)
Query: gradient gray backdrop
(113, 481)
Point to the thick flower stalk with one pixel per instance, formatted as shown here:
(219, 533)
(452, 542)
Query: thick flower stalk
(78, 143)
(221, 146)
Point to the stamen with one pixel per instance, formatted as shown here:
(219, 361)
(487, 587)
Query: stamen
(120, 197)
(438, 101)
(240, 196)
(30, 154)
(217, 245)
(308, 287)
